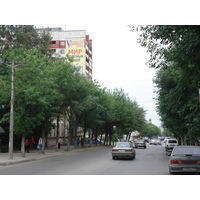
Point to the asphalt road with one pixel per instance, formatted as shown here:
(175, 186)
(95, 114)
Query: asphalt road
(95, 161)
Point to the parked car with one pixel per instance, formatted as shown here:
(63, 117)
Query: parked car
(185, 159)
(155, 141)
(170, 144)
(140, 143)
(123, 149)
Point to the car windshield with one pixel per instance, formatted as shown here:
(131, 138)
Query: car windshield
(187, 150)
(172, 141)
(139, 141)
(122, 144)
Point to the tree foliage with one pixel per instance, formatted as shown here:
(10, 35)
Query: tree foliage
(47, 87)
(175, 52)
(151, 130)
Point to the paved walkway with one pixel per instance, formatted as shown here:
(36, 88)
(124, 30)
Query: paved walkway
(36, 155)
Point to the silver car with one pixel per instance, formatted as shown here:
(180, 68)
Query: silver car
(140, 143)
(123, 149)
(155, 141)
(185, 159)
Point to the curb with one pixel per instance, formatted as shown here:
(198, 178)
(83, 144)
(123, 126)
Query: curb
(24, 159)
(6, 163)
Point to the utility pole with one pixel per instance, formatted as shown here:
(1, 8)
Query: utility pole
(11, 111)
(199, 96)
(12, 107)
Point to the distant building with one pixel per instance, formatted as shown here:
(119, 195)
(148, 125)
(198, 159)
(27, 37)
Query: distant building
(74, 43)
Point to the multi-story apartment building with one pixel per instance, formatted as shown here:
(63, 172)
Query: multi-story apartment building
(77, 44)
(74, 43)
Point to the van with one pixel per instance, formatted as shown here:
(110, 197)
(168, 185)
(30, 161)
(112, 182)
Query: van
(170, 144)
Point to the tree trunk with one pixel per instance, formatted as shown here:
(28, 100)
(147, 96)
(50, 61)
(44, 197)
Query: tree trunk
(110, 132)
(22, 146)
(90, 138)
(102, 137)
(106, 137)
(65, 118)
(57, 132)
(75, 135)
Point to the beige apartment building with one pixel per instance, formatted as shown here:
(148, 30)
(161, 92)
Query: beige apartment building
(77, 44)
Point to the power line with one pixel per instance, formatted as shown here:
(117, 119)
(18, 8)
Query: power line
(128, 81)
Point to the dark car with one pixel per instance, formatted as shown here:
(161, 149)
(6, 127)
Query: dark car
(185, 159)
(140, 143)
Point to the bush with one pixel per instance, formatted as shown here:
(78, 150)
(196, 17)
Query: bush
(4, 148)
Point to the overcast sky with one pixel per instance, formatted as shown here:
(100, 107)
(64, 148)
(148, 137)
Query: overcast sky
(118, 60)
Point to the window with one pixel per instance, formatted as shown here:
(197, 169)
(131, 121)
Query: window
(172, 141)
(53, 42)
(62, 43)
(62, 51)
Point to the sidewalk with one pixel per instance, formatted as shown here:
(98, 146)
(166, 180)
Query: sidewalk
(36, 155)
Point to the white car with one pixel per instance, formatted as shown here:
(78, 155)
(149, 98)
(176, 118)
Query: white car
(170, 144)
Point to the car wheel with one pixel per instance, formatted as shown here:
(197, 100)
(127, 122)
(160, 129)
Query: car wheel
(113, 157)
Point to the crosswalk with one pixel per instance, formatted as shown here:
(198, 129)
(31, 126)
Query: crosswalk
(157, 145)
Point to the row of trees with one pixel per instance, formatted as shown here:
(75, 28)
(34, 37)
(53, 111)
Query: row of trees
(47, 87)
(175, 52)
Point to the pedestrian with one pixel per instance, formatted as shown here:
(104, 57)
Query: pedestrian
(82, 142)
(78, 142)
(40, 143)
(26, 144)
(32, 142)
(59, 143)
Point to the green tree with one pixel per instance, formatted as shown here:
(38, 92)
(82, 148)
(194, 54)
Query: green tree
(123, 115)
(151, 130)
(33, 90)
(177, 102)
(175, 53)
(24, 36)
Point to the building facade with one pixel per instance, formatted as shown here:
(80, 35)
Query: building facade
(78, 45)
(74, 43)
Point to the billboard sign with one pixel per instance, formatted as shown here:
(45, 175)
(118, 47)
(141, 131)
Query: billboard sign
(76, 49)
